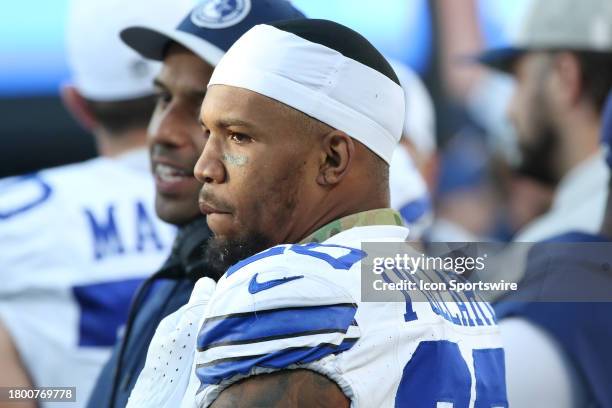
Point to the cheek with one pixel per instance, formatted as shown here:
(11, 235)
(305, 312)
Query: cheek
(263, 197)
(518, 111)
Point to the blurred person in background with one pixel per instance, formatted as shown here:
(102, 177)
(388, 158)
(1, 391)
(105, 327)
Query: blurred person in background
(465, 198)
(76, 240)
(413, 165)
(511, 199)
(561, 59)
(556, 329)
(562, 63)
(189, 51)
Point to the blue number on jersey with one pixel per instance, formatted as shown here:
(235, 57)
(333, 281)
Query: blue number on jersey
(44, 192)
(103, 310)
(343, 262)
(437, 373)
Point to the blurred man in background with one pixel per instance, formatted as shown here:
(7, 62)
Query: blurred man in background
(556, 329)
(413, 166)
(562, 63)
(76, 241)
(189, 52)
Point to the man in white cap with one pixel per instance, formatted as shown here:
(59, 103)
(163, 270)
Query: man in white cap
(562, 62)
(561, 59)
(556, 328)
(301, 119)
(76, 241)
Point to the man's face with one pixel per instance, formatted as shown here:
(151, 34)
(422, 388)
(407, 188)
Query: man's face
(531, 112)
(175, 137)
(258, 171)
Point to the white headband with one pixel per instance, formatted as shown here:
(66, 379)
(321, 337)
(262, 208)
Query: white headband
(318, 81)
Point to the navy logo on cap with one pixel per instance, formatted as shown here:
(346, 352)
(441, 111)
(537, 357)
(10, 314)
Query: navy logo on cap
(220, 13)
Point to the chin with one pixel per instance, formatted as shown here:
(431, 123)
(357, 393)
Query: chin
(224, 251)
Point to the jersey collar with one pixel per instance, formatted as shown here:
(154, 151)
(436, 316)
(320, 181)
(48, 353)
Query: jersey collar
(380, 216)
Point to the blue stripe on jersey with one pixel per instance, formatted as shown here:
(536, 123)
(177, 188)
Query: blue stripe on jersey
(271, 324)
(277, 250)
(103, 310)
(219, 370)
(415, 209)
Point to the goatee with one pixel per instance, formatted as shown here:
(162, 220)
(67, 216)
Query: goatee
(221, 253)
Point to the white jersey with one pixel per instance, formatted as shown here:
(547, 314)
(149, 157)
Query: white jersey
(579, 203)
(75, 242)
(298, 306)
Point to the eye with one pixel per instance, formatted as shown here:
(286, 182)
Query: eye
(206, 133)
(239, 138)
(163, 98)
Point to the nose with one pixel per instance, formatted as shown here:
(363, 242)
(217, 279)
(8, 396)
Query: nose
(209, 167)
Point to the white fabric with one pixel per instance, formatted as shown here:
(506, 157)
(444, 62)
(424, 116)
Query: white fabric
(48, 247)
(103, 68)
(318, 81)
(538, 373)
(579, 203)
(419, 119)
(167, 369)
(405, 186)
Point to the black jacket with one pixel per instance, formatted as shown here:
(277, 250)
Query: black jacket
(160, 295)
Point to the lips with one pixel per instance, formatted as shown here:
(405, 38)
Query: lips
(170, 178)
(207, 209)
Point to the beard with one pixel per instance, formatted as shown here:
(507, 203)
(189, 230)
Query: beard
(538, 159)
(221, 253)
(280, 199)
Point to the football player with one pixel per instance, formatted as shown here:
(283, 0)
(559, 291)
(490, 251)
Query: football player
(301, 119)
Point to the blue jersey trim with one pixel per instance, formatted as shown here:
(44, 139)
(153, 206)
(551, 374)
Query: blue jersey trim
(45, 193)
(219, 370)
(415, 209)
(278, 323)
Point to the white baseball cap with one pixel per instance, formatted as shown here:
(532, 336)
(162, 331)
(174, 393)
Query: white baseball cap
(102, 67)
(584, 25)
(419, 120)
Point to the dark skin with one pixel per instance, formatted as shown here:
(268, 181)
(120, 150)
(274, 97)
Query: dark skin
(266, 171)
(174, 134)
(269, 169)
(295, 388)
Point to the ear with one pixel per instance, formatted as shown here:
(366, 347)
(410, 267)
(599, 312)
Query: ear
(78, 108)
(569, 79)
(338, 153)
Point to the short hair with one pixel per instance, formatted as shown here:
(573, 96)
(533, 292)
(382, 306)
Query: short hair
(121, 116)
(596, 76)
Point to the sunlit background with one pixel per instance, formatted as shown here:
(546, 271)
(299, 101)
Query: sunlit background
(37, 132)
